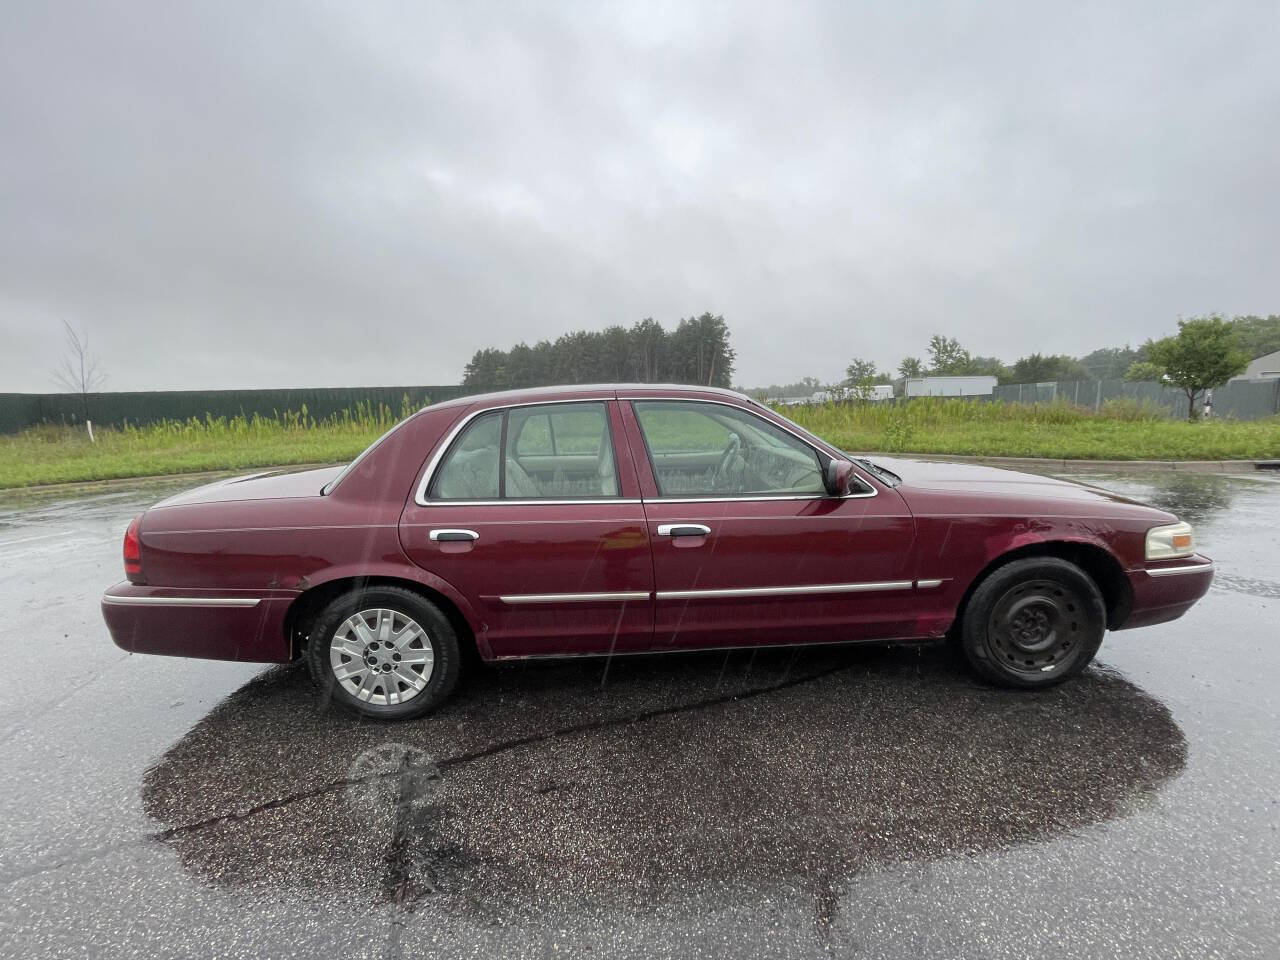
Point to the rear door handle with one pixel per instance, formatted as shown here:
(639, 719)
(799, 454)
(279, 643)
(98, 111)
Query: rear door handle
(682, 530)
(448, 536)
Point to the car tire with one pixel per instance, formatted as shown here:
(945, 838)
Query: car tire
(384, 652)
(1033, 623)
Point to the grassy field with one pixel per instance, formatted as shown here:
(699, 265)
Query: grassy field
(63, 454)
(1122, 431)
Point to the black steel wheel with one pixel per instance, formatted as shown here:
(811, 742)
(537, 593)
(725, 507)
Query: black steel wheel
(1033, 623)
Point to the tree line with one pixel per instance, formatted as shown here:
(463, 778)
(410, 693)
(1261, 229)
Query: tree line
(697, 351)
(1250, 336)
(1205, 353)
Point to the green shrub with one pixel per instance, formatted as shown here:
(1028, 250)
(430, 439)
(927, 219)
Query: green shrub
(1132, 409)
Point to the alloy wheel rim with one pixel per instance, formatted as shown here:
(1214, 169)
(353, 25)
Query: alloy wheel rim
(381, 657)
(1036, 627)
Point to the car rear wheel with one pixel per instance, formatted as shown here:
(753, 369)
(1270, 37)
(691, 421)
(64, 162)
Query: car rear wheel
(1033, 623)
(384, 652)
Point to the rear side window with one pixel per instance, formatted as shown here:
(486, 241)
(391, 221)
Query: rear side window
(560, 451)
(535, 437)
(470, 471)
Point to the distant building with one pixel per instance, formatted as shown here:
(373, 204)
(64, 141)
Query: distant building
(874, 391)
(951, 386)
(1265, 367)
(879, 391)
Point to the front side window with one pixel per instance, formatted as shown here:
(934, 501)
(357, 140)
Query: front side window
(560, 451)
(711, 450)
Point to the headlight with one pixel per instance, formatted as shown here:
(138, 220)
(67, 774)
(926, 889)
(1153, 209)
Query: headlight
(1173, 540)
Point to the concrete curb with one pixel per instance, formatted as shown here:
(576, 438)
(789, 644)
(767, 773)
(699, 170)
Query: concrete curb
(1046, 463)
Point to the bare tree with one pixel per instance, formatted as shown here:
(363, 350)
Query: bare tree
(78, 371)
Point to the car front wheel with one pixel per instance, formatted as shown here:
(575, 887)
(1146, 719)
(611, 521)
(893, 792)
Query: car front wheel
(384, 652)
(1033, 623)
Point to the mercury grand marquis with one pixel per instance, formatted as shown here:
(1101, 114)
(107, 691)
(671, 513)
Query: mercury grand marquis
(605, 520)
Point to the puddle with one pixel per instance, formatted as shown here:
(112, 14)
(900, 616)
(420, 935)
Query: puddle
(537, 784)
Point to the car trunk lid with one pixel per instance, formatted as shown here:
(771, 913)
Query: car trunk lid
(266, 485)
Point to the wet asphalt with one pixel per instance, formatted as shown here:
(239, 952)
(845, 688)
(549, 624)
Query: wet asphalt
(790, 803)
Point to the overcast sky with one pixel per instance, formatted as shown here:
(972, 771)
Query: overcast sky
(257, 195)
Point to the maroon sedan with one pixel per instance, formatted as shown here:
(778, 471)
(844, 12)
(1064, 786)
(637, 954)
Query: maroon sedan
(591, 521)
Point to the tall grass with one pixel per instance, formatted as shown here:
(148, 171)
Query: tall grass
(56, 454)
(1121, 430)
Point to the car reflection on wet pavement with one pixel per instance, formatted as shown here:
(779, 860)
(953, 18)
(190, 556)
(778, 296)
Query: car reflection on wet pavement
(858, 801)
(673, 775)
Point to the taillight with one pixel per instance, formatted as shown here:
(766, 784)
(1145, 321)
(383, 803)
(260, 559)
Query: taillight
(133, 553)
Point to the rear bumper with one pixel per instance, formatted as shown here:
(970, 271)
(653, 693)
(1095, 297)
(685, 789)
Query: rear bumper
(1166, 591)
(211, 624)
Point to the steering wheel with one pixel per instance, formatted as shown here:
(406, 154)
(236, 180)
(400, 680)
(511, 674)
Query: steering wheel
(722, 468)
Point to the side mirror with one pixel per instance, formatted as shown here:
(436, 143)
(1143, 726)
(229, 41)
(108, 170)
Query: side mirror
(837, 477)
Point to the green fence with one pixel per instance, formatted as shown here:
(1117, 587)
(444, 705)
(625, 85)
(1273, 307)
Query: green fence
(21, 410)
(1244, 399)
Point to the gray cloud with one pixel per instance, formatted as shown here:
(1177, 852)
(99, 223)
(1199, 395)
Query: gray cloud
(243, 195)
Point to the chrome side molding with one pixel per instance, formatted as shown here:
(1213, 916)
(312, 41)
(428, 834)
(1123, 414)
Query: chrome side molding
(621, 596)
(127, 601)
(723, 594)
(1185, 568)
(885, 586)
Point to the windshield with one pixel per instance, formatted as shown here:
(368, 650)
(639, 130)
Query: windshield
(886, 476)
(801, 431)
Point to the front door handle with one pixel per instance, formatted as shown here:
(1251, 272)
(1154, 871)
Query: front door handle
(449, 536)
(682, 530)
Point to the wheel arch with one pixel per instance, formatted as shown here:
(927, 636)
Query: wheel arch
(1096, 561)
(307, 605)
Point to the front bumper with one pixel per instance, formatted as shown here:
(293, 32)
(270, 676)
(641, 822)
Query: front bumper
(210, 624)
(1165, 591)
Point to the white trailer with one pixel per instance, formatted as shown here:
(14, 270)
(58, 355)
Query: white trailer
(982, 386)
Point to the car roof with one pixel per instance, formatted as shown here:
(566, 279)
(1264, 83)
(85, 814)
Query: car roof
(590, 391)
